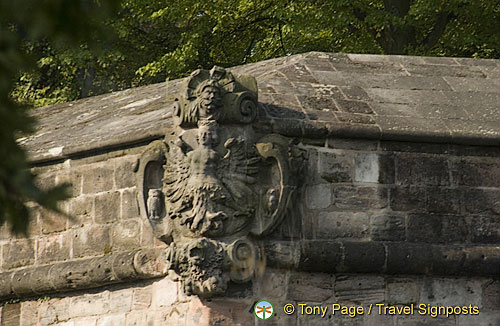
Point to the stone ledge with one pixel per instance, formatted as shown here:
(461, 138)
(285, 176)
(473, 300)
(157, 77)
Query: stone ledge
(329, 256)
(84, 274)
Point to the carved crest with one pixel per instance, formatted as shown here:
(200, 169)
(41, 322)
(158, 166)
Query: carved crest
(213, 186)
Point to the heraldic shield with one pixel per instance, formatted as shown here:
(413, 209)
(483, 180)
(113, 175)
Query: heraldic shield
(213, 186)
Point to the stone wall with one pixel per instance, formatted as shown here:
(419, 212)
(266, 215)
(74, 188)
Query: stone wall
(375, 222)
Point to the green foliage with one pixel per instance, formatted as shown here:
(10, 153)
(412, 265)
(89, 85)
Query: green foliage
(157, 39)
(24, 25)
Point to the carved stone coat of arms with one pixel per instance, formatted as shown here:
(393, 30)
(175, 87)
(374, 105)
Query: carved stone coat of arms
(213, 186)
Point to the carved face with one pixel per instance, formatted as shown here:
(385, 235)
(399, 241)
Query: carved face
(205, 136)
(210, 101)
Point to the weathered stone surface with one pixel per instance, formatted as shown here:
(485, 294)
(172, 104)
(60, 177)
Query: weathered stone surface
(420, 170)
(319, 196)
(352, 197)
(91, 241)
(371, 86)
(86, 273)
(491, 296)
(449, 292)
(366, 168)
(402, 291)
(388, 227)
(18, 253)
(335, 166)
(311, 287)
(360, 289)
(437, 228)
(408, 198)
(332, 225)
(363, 257)
(107, 207)
(53, 248)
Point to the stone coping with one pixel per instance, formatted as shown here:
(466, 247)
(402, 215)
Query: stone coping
(83, 274)
(313, 95)
(324, 256)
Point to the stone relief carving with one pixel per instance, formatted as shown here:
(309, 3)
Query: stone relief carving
(212, 187)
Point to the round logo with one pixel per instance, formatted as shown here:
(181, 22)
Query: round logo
(263, 310)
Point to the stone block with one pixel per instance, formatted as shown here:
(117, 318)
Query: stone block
(318, 102)
(310, 287)
(353, 144)
(388, 227)
(164, 293)
(476, 174)
(335, 167)
(89, 305)
(130, 209)
(437, 228)
(380, 320)
(272, 284)
(53, 248)
(126, 235)
(120, 300)
(401, 291)
(425, 320)
(45, 181)
(483, 319)
(107, 207)
(29, 313)
(491, 296)
(355, 93)
(97, 177)
(359, 289)
(408, 258)
(81, 211)
(91, 241)
(52, 221)
(124, 175)
(18, 253)
(73, 178)
(142, 298)
(88, 321)
(138, 318)
(354, 106)
(422, 170)
(225, 312)
(331, 225)
(54, 310)
(112, 320)
(485, 229)
(324, 256)
(408, 199)
(363, 257)
(387, 169)
(11, 314)
(366, 167)
(413, 147)
(481, 201)
(147, 235)
(450, 292)
(319, 196)
(444, 201)
(359, 197)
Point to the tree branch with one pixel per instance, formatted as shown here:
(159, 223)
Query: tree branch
(433, 37)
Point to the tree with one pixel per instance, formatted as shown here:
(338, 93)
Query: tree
(168, 39)
(23, 24)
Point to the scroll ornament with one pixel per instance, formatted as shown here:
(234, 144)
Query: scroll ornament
(213, 187)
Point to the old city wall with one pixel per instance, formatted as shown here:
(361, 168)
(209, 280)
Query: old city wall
(386, 221)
